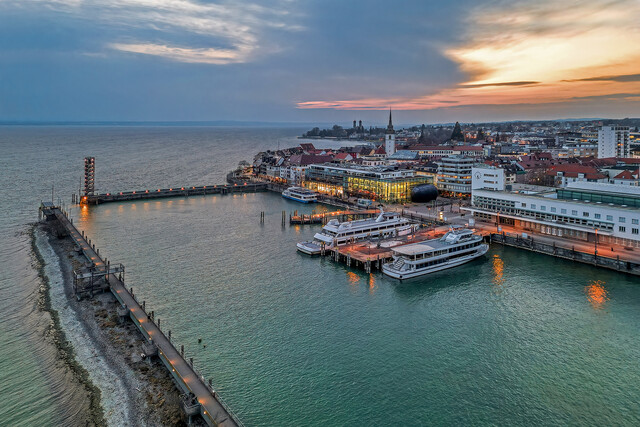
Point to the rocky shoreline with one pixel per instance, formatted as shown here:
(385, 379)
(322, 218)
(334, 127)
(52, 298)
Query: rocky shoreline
(150, 395)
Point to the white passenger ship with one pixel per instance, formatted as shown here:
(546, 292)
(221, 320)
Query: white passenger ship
(387, 224)
(454, 248)
(300, 194)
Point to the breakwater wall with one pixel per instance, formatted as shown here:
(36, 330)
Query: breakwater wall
(96, 199)
(199, 397)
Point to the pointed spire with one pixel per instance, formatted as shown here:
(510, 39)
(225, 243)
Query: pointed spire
(390, 127)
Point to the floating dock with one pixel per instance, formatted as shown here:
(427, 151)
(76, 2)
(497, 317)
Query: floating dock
(198, 396)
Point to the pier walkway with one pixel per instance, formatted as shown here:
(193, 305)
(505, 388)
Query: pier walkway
(96, 199)
(209, 405)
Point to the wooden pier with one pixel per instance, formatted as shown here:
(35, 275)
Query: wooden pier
(372, 253)
(198, 396)
(96, 199)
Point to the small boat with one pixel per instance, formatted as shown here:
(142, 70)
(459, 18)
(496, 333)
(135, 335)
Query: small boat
(335, 233)
(456, 247)
(300, 194)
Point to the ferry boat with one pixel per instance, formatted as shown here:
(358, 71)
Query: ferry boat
(456, 247)
(300, 194)
(386, 224)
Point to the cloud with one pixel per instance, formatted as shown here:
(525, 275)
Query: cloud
(532, 52)
(618, 78)
(180, 30)
(204, 56)
(526, 83)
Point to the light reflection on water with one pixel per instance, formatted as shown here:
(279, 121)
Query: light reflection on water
(597, 294)
(498, 270)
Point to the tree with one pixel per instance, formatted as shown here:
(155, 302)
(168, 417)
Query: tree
(457, 135)
(480, 135)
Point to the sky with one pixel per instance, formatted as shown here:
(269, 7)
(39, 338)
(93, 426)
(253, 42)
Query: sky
(318, 60)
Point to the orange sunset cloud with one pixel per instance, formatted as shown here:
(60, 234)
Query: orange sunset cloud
(534, 53)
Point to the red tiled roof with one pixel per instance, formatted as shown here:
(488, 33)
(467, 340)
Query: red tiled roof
(626, 175)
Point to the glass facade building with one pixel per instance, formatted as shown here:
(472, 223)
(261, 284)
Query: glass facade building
(382, 183)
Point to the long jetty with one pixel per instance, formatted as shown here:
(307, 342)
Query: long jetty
(96, 199)
(203, 399)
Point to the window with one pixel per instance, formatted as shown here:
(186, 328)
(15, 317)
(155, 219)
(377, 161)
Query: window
(585, 213)
(609, 217)
(597, 216)
(564, 211)
(634, 221)
(622, 219)
(622, 229)
(574, 212)
(524, 205)
(533, 206)
(634, 231)
(553, 209)
(544, 208)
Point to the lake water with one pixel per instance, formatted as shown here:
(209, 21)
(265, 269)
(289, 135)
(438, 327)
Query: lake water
(511, 338)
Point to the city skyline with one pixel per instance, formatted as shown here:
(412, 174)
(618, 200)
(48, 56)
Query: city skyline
(283, 61)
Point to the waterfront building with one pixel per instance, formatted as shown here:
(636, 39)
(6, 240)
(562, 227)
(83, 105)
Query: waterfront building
(584, 211)
(390, 138)
(454, 175)
(489, 177)
(613, 141)
(428, 151)
(384, 183)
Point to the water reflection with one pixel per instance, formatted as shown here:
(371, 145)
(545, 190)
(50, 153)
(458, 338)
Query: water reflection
(372, 283)
(498, 270)
(352, 277)
(597, 295)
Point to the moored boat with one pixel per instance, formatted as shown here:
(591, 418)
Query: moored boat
(335, 233)
(300, 194)
(456, 247)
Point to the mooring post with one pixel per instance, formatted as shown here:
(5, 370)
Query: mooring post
(169, 335)
(158, 323)
(182, 350)
(191, 361)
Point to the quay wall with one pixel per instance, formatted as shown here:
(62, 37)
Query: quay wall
(570, 254)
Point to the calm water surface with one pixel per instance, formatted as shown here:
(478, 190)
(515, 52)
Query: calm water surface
(512, 338)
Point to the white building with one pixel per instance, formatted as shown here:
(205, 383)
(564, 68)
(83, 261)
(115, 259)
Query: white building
(390, 138)
(582, 210)
(454, 174)
(487, 177)
(613, 141)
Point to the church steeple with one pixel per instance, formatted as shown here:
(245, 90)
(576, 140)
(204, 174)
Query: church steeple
(390, 126)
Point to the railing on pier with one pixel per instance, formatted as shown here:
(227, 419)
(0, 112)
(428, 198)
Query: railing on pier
(122, 196)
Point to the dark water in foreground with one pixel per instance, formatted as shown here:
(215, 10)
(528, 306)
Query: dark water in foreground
(513, 338)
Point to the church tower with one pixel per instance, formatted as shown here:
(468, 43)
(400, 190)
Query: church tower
(390, 138)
